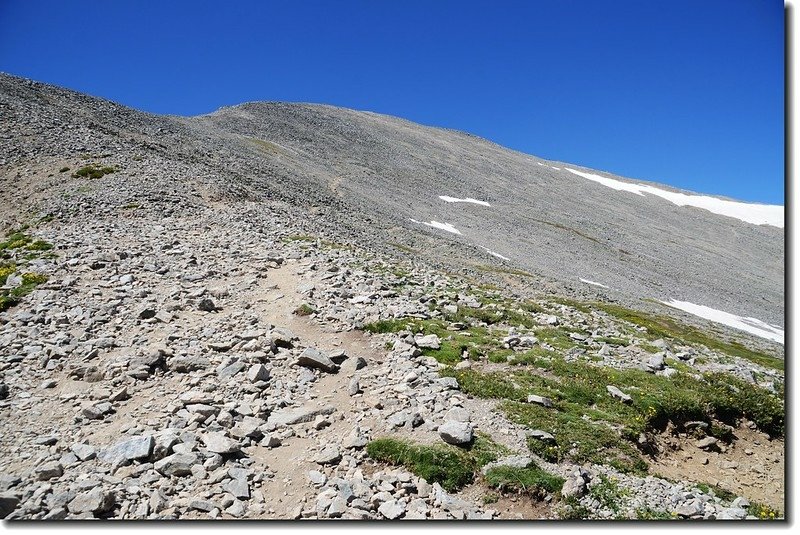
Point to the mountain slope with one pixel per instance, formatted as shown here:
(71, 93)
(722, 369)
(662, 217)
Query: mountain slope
(379, 179)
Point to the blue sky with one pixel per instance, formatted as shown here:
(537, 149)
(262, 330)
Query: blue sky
(684, 92)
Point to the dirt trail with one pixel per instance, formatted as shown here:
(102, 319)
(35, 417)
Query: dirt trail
(275, 299)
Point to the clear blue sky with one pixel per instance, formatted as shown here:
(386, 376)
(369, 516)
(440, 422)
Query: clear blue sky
(684, 92)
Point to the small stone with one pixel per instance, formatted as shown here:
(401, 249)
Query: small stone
(317, 478)
(329, 455)
(207, 305)
(128, 450)
(706, 443)
(84, 452)
(353, 387)
(238, 488)
(392, 509)
(258, 372)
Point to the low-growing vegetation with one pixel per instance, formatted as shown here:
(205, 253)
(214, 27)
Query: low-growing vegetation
(591, 426)
(530, 480)
(451, 467)
(659, 326)
(93, 171)
(304, 310)
(15, 250)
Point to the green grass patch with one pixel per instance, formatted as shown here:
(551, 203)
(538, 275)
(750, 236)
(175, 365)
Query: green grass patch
(299, 237)
(401, 247)
(304, 310)
(612, 340)
(63, 169)
(451, 467)
(648, 513)
(530, 480)
(591, 426)
(93, 171)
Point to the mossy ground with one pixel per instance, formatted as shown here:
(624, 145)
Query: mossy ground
(451, 467)
(15, 251)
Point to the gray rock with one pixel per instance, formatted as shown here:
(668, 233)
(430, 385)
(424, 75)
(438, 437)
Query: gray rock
(216, 442)
(328, 455)
(313, 358)
(458, 414)
(353, 387)
(392, 509)
(619, 394)
(544, 436)
(448, 382)
(456, 433)
(96, 501)
(540, 400)
(732, 513)
(258, 372)
(292, 416)
(317, 478)
(83, 452)
(133, 449)
(430, 341)
(177, 464)
(690, 509)
(49, 470)
(656, 362)
(8, 502)
(706, 443)
(239, 488)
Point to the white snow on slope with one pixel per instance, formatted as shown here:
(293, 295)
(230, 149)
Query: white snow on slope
(757, 214)
(442, 226)
(445, 198)
(750, 325)
(498, 255)
(587, 281)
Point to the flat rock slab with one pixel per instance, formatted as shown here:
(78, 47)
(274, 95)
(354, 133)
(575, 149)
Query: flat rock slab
(218, 443)
(540, 400)
(297, 415)
(313, 358)
(128, 450)
(177, 464)
(430, 341)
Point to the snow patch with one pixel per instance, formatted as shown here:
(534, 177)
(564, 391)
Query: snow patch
(750, 325)
(556, 168)
(587, 281)
(757, 214)
(498, 255)
(445, 198)
(442, 226)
